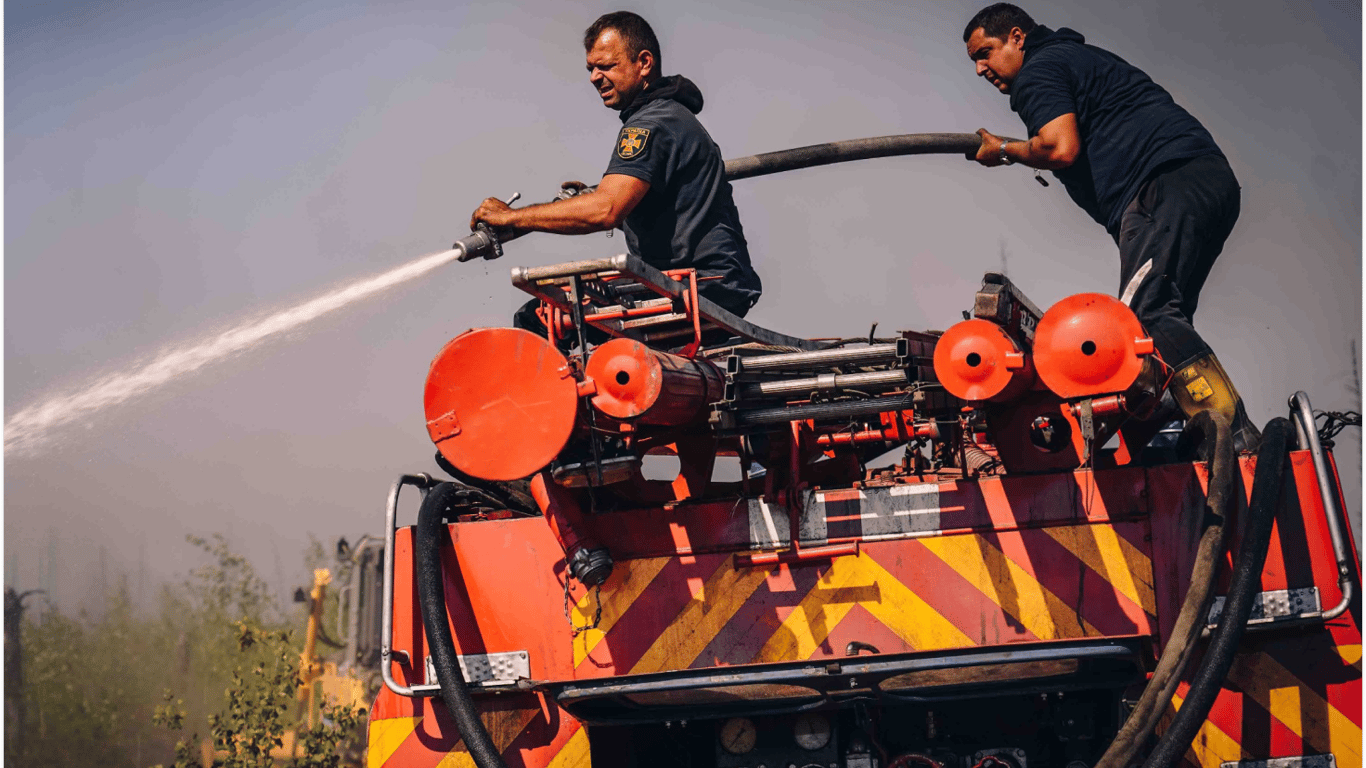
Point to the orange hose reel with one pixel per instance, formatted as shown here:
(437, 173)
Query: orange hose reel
(501, 403)
(976, 360)
(1090, 344)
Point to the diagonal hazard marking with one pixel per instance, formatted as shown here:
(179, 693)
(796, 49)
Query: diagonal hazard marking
(457, 760)
(385, 738)
(628, 580)
(903, 611)
(1277, 690)
(1114, 559)
(1211, 747)
(712, 606)
(1010, 586)
(574, 754)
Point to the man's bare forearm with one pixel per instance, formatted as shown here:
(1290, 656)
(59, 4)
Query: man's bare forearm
(580, 215)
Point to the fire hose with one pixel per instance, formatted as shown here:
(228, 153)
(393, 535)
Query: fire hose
(431, 592)
(1217, 447)
(1246, 583)
(486, 243)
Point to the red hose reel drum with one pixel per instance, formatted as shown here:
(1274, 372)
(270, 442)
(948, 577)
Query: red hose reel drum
(977, 360)
(636, 382)
(501, 403)
(1090, 344)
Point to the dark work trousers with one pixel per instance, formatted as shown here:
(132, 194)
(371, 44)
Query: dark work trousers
(526, 318)
(1169, 236)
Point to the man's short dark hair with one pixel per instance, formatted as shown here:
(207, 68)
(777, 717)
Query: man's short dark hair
(997, 21)
(634, 31)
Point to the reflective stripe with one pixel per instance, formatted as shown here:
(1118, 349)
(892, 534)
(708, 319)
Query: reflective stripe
(1132, 287)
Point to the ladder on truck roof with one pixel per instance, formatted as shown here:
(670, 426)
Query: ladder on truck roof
(625, 297)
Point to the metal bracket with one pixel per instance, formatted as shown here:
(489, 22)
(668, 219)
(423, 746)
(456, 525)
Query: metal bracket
(482, 671)
(1274, 606)
(1304, 761)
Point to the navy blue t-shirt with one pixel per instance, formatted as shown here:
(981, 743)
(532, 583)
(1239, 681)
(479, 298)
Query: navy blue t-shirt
(1129, 125)
(688, 218)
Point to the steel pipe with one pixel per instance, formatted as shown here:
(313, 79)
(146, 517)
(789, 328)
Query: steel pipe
(825, 358)
(825, 383)
(817, 411)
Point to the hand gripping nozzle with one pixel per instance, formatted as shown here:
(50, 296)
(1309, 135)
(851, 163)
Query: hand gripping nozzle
(483, 242)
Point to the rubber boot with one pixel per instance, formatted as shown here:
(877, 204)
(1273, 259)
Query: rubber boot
(1201, 384)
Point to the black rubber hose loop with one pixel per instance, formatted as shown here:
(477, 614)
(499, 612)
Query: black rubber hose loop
(431, 592)
(1247, 582)
(1216, 446)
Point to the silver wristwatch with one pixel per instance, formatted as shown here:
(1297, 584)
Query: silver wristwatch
(1005, 159)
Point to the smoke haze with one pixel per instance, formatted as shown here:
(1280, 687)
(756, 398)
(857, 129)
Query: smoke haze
(173, 170)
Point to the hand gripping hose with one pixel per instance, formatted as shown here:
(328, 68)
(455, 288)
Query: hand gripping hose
(1217, 447)
(1247, 582)
(431, 592)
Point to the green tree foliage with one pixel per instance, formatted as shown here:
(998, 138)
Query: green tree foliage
(96, 688)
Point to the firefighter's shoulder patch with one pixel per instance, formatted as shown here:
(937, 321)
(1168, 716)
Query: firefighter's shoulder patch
(631, 142)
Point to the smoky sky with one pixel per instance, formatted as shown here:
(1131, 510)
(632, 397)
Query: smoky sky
(172, 169)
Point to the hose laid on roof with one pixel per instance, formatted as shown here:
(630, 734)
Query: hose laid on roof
(1217, 447)
(853, 149)
(1247, 582)
(431, 593)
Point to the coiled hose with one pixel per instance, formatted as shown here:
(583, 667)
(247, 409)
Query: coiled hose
(1216, 447)
(1247, 579)
(431, 593)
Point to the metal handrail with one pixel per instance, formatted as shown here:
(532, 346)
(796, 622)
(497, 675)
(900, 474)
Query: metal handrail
(1307, 437)
(422, 482)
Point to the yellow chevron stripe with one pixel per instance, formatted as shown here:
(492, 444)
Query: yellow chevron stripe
(628, 580)
(1351, 655)
(457, 760)
(1013, 588)
(575, 753)
(1284, 705)
(1211, 747)
(1321, 725)
(710, 609)
(1115, 559)
(386, 736)
(903, 611)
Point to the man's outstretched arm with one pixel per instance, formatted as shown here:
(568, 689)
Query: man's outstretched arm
(1055, 147)
(617, 195)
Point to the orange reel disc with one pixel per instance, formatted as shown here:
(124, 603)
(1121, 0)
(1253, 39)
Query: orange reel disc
(501, 403)
(977, 360)
(1089, 344)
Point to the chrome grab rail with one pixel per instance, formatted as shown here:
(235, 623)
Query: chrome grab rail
(422, 482)
(1307, 437)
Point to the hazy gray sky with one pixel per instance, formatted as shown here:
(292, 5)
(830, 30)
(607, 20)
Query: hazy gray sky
(175, 168)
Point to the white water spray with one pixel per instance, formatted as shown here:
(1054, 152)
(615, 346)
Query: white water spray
(32, 428)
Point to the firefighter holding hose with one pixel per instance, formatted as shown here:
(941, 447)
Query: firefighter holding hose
(1140, 165)
(665, 184)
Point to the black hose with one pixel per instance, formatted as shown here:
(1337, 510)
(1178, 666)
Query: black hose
(431, 592)
(1246, 583)
(1216, 446)
(853, 149)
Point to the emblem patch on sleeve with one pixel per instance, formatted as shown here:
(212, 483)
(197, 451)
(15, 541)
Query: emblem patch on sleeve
(631, 143)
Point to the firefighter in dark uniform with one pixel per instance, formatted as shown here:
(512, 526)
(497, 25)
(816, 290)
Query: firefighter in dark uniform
(1140, 165)
(665, 184)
